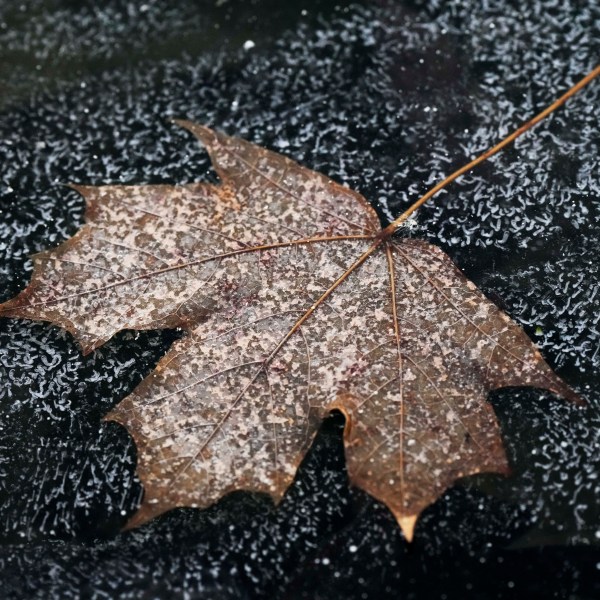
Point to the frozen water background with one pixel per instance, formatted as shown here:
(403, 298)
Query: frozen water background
(385, 97)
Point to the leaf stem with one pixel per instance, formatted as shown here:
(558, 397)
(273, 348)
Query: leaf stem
(394, 225)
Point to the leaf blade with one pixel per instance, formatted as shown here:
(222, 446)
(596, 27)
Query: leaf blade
(290, 311)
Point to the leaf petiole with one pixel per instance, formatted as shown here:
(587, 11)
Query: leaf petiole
(394, 225)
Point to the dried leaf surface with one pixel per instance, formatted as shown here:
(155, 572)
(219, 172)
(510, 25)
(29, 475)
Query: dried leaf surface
(294, 304)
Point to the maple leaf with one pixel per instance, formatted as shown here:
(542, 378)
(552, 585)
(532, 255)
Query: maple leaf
(294, 303)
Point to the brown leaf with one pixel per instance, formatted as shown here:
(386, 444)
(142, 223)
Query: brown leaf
(294, 303)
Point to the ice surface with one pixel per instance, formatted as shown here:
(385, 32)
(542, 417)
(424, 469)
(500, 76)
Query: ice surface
(386, 99)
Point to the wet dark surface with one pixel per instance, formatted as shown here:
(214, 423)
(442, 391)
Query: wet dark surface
(385, 97)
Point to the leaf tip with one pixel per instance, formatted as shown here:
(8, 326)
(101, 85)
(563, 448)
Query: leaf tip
(75, 186)
(572, 396)
(7, 309)
(205, 134)
(193, 127)
(182, 123)
(407, 524)
(562, 390)
(146, 512)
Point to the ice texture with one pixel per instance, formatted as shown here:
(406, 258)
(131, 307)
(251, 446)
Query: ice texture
(384, 98)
